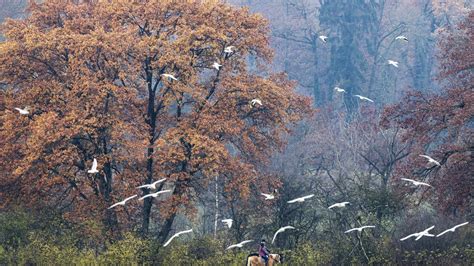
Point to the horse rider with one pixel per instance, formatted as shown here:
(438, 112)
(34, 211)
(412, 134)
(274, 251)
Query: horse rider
(263, 251)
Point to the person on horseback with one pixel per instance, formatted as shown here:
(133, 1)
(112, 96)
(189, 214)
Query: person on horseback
(263, 251)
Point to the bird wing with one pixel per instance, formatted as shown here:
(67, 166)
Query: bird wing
(367, 99)
(129, 198)
(424, 184)
(232, 246)
(422, 234)
(275, 235)
(145, 186)
(332, 206)
(293, 200)
(266, 195)
(114, 205)
(184, 232)
(147, 196)
(429, 158)
(158, 181)
(169, 240)
(459, 225)
(350, 230)
(163, 191)
(307, 197)
(442, 233)
(94, 164)
(368, 226)
(412, 235)
(409, 180)
(245, 242)
(428, 229)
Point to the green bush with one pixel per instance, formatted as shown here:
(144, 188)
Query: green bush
(130, 250)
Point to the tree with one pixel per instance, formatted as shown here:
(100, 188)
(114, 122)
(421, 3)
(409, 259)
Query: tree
(441, 124)
(92, 74)
(347, 24)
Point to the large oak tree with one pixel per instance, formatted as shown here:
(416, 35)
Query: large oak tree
(91, 73)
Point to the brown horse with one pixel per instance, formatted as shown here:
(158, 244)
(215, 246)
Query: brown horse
(255, 260)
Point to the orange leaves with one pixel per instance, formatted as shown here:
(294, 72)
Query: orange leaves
(92, 73)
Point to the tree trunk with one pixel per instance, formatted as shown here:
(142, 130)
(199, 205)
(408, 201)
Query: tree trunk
(217, 210)
(151, 121)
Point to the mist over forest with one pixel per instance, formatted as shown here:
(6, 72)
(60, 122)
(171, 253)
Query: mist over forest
(341, 132)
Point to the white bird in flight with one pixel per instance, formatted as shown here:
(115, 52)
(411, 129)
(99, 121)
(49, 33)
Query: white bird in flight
(419, 234)
(241, 244)
(430, 160)
(93, 170)
(452, 229)
(339, 205)
(176, 235)
(216, 65)
(229, 49)
(23, 111)
(323, 38)
(401, 37)
(281, 230)
(302, 199)
(255, 101)
(228, 222)
(359, 229)
(122, 202)
(363, 98)
(393, 63)
(154, 195)
(152, 185)
(169, 76)
(268, 196)
(339, 89)
(416, 183)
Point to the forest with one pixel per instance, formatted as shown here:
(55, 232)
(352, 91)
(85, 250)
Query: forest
(207, 132)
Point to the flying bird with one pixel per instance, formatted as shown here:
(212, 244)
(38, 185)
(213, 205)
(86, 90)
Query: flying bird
(339, 89)
(228, 222)
(359, 229)
(93, 170)
(419, 234)
(416, 183)
(452, 229)
(323, 38)
(216, 65)
(281, 230)
(430, 160)
(339, 205)
(401, 37)
(122, 202)
(23, 111)
(240, 245)
(393, 63)
(255, 101)
(154, 195)
(363, 98)
(176, 235)
(152, 185)
(302, 199)
(229, 49)
(268, 196)
(169, 76)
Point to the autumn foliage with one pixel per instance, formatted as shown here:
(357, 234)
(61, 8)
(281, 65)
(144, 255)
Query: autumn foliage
(91, 74)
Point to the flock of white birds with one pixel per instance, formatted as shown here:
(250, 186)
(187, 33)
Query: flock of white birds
(228, 222)
(389, 62)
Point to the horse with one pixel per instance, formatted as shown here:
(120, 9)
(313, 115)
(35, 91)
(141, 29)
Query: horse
(255, 260)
